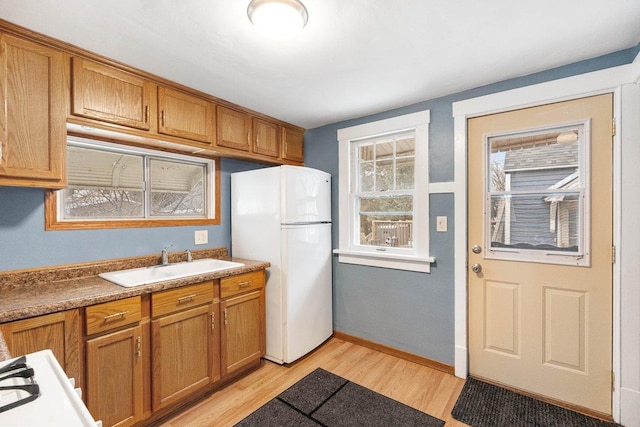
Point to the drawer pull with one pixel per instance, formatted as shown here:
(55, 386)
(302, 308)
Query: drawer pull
(244, 284)
(186, 298)
(118, 316)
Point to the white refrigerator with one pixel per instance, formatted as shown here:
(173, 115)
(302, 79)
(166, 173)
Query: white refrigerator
(283, 215)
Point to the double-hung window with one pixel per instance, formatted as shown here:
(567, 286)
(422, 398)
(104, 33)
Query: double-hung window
(112, 186)
(384, 198)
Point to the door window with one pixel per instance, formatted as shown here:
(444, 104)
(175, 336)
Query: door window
(537, 188)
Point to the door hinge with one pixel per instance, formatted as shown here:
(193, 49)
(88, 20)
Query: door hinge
(613, 128)
(613, 381)
(613, 254)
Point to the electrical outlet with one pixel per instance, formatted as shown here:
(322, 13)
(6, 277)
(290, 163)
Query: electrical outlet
(441, 224)
(201, 237)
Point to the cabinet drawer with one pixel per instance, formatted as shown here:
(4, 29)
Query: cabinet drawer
(180, 298)
(113, 314)
(241, 283)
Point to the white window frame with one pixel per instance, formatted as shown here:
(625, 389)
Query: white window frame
(349, 250)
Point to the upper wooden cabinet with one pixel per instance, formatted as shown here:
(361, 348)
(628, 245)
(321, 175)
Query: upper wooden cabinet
(111, 95)
(32, 114)
(185, 116)
(234, 129)
(292, 144)
(48, 87)
(266, 138)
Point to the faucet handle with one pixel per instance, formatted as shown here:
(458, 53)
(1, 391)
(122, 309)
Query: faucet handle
(167, 247)
(189, 256)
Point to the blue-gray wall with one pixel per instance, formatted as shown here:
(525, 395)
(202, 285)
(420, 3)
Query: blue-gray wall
(407, 310)
(25, 244)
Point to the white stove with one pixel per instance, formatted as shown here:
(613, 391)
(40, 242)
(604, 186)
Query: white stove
(58, 403)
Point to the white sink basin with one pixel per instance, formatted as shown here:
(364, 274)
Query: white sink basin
(158, 273)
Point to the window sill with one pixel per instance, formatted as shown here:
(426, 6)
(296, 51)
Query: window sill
(393, 261)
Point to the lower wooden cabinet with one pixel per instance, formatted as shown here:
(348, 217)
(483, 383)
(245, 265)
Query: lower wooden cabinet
(59, 332)
(242, 338)
(243, 335)
(140, 357)
(183, 354)
(115, 361)
(114, 389)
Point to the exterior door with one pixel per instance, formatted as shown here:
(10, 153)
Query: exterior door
(540, 251)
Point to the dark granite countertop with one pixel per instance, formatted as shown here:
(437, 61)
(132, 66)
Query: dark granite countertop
(36, 292)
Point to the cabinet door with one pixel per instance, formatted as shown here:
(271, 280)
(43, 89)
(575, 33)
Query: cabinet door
(32, 114)
(233, 129)
(114, 377)
(110, 95)
(266, 138)
(292, 144)
(185, 116)
(182, 359)
(59, 332)
(243, 331)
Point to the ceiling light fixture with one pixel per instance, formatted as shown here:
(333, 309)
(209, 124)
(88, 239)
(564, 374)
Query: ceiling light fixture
(278, 19)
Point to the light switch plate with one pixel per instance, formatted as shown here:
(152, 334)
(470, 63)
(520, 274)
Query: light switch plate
(441, 224)
(201, 237)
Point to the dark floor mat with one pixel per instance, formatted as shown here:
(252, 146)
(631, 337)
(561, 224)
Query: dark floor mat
(485, 405)
(324, 399)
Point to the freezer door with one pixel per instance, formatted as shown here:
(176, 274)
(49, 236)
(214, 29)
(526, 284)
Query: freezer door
(306, 195)
(308, 319)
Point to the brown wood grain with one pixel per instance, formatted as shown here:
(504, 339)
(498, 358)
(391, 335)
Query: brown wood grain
(112, 315)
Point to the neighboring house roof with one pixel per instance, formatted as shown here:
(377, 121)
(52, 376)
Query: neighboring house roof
(542, 157)
(571, 182)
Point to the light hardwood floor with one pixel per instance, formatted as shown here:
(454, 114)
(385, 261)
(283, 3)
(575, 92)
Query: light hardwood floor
(420, 387)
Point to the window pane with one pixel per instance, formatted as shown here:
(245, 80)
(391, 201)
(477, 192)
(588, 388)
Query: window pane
(544, 221)
(386, 164)
(535, 161)
(102, 203)
(103, 184)
(386, 221)
(405, 179)
(366, 176)
(384, 175)
(366, 152)
(92, 168)
(177, 189)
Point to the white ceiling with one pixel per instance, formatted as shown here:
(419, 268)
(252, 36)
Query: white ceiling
(354, 58)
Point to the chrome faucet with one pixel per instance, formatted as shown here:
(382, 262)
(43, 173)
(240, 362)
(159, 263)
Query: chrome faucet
(165, 255)
(189, 256)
